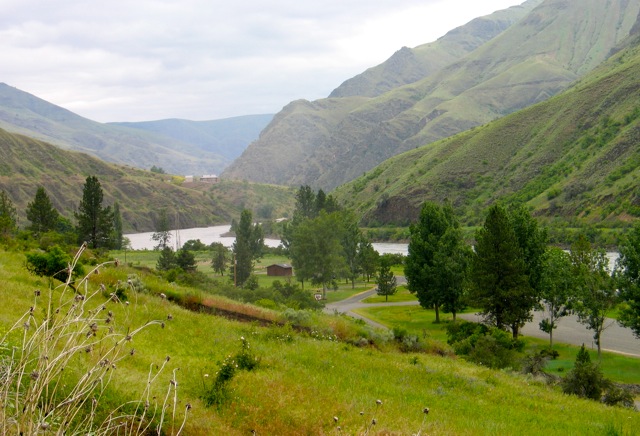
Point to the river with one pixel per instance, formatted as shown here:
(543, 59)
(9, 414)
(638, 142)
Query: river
(207, 235)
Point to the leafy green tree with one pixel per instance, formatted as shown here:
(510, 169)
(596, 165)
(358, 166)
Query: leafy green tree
(8, 215)
(41, 213)
(54, 263)
(501, 287)
(316, 252)
(437, 265)
(186, 260)
(162, 235)
(351, 239)
(556, 286)
(247, 247)
(94, 222)
(117, 227)
(167, 260)
(220, 258)
(386, 281)
(368, 259)
(627, 275)
(595, 288)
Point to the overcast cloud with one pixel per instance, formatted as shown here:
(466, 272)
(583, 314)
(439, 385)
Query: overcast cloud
(137, 60)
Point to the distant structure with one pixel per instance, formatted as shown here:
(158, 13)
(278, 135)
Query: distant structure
(280, 269)
(209, 178)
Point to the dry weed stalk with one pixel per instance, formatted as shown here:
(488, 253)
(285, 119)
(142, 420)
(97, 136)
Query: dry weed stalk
(55, 367)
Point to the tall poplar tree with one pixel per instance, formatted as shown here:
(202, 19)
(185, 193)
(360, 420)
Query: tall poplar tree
(247, 247)
(41, 213)
(8, 215)
(94, 222)
(437, 265)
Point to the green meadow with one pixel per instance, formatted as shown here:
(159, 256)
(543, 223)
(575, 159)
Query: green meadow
(306, 377)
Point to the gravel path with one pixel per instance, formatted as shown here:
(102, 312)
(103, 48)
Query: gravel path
(615, 338)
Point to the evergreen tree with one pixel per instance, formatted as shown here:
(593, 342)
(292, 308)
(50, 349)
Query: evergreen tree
(437, 265)
(247, 247)
(41, 213)
(585, 379)
(8, 215)
(167, 260)
(628, 280)
(501, 287)
(186, 260)
(94, 222)
(162, 235)
(595, 289)
(351, 238)
(386, 281)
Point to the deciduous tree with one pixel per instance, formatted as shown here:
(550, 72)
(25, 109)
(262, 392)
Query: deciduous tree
(556, 286)
(436, 267)
(220, 258)
(8, 215)
(247, 247)
(162, 235)
(628, 280)
(595, 289)
(386, 281)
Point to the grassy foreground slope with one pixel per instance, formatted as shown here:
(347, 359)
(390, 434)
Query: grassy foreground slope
(28, 163)
(303, 382)
(575, 156)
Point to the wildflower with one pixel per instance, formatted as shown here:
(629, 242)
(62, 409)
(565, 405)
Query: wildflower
(102, 286)
(335, 419)
(162, 295)
(116, 262)
(188, 406)
(132, 352)
(169, 317)
(167, 358)
(374, 421)
(425, 410)
(35, 375)
(379, 402)
(36, 292)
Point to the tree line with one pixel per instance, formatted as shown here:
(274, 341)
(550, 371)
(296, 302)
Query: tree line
(96, 225)
(512, 270)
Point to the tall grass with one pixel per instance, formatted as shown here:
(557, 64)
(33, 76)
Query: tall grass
(59, 358)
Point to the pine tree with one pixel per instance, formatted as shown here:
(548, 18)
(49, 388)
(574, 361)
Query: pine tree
(501, 286)
(117, 238)
(386, 281)
(94, 222)
(41, 213)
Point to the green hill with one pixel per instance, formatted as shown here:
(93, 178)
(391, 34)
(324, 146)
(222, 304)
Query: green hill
(544, 50)
(178, 146)
(575, 156)
(28, 163)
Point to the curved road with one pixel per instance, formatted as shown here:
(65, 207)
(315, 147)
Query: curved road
(615, 338)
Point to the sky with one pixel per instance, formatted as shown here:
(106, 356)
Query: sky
(139, 60)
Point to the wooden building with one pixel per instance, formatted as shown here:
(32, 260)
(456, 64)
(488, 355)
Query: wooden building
(280, 269)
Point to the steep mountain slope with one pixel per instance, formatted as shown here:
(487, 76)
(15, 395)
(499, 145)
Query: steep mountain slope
(28, 163)
(227, 137)
(535, 58)
(575, 156)
(21, 112)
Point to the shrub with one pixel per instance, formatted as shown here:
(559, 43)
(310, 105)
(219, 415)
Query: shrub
(585, 379)
(487, 346)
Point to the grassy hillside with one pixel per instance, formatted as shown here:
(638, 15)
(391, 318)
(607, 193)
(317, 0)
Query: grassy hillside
(575, 156)
(328, 142)
(28, 163)
(303, 381)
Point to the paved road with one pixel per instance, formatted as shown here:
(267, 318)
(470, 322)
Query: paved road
(614, 338)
